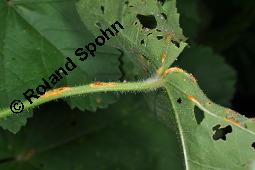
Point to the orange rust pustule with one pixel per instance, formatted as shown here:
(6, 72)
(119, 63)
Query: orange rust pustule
(177, 69)
(102, 84)
(163, 57)
(233, 121)
(191, 98)
(56, 92)
(173, 69)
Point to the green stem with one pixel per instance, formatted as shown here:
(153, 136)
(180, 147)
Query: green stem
(150, 84)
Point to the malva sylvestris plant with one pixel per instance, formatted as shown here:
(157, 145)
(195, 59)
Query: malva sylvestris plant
(152, 40)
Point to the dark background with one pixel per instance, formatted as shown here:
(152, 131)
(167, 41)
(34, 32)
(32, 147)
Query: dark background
(228, 27)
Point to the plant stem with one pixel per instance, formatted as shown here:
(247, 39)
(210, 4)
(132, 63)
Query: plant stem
(149, 84)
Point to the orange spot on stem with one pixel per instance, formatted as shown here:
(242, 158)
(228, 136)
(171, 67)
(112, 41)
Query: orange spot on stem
(173, 69)
(163, 57)
(56, 92)
(102, 84)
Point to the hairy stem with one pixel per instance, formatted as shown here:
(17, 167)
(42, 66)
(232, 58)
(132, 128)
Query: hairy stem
(149, 84)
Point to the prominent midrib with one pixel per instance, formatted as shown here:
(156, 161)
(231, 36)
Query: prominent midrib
(203, 108)
(182, 138)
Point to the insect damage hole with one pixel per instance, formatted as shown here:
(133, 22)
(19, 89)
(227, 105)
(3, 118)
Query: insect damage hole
(199, 114)
(220, 133)
(176, 43)
(164, 16)
(162, 2)
(147, 21)
(179, 100)
(160, 37)
(253, 145)
(142, 42)
(102, 9)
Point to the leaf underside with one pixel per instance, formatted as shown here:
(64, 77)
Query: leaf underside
(208, 132)
(211, 137)
(35, 39)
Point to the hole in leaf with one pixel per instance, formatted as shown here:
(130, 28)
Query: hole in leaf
(131, 6)
(149, 34)
(142, 42)
(164, 15)
(102, 9)
(158, 30)
(147, 21)
(160, 37)
(176, 43)
(199, 115)
(253, 145)
(135, 23)
(98, 24)
(179, 100)
(220, 133)
(162, 2)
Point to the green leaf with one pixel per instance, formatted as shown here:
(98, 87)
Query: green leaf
(202, 132)
(211, 71)
(35, 39)
(125, 137)
(122, 137)
(209, 132)
(150, 28)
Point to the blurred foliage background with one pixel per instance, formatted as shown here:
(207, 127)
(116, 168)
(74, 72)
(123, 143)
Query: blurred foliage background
(227, 28)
